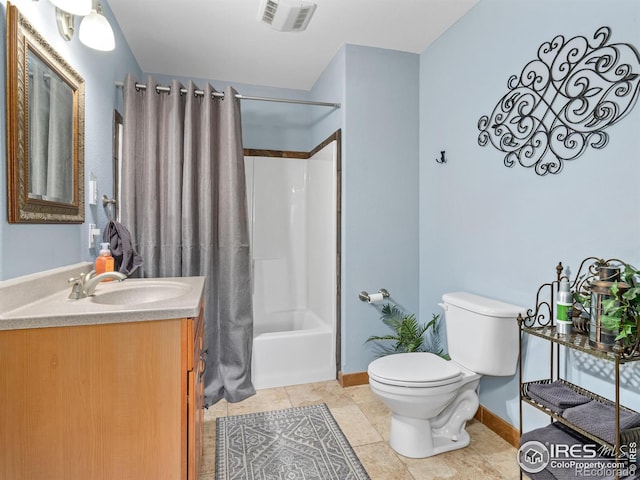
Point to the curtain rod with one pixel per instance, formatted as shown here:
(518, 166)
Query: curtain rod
(160, 88)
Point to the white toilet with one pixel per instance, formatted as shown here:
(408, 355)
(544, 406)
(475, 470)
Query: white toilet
(430, 398)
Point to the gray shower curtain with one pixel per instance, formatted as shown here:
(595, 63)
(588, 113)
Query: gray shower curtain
(184, 201)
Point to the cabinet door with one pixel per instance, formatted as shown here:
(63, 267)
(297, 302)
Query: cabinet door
(99, 402)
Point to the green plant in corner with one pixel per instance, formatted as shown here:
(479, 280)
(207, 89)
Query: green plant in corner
(408, 334)
(621, 313)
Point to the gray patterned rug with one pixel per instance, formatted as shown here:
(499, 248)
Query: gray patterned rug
(303, 443)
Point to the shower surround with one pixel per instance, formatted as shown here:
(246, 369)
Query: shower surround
(292, 214)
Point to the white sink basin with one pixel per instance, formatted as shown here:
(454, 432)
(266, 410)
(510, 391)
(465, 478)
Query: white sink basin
(42, 300)
(131, 293)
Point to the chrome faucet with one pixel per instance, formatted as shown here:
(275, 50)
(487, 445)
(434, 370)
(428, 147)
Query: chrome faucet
(84, 285)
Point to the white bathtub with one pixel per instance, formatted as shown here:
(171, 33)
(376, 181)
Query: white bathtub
(291, 348)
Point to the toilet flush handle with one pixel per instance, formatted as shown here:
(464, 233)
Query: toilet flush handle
(443, 306)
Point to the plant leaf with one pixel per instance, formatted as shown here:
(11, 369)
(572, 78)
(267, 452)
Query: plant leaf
(610, 323)
(409, 335)
(625, 331)
(375, 338)
(614, 289)
(633, 294)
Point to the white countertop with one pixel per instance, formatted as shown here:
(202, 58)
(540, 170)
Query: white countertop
(41, 300)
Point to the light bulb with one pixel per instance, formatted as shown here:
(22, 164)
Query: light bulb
(96, 32)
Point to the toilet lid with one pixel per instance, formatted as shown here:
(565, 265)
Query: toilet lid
(417, 369)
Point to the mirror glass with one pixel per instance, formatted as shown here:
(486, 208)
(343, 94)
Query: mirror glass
(50, 133)
(45, 123)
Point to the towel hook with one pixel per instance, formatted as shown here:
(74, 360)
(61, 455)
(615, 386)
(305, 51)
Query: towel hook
(106, 201)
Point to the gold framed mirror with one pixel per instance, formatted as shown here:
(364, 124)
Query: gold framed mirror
(45, 129)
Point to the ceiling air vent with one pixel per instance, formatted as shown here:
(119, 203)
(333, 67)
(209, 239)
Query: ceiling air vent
(286, 15)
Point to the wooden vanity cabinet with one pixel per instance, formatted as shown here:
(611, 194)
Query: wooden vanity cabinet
(119, 401)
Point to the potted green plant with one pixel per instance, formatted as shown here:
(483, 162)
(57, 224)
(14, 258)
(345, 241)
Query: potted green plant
(408, 334)
(621, 313)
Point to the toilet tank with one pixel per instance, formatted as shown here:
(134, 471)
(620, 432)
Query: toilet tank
(482, 333)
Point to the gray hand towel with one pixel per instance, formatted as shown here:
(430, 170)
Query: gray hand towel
(126, 259)
(599, 419)
(556, 396)
(551, 406)
(551, 434)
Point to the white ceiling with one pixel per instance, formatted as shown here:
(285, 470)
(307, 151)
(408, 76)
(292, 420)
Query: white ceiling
(223, 39)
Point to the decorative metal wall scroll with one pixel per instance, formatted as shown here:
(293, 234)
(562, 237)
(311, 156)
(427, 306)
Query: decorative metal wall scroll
(563, 101)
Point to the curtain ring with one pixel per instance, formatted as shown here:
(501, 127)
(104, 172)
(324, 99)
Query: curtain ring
(157, 89)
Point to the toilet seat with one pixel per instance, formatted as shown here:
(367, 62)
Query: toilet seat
(416, 370)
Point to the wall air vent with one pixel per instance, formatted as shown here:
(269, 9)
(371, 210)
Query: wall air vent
(286, 15)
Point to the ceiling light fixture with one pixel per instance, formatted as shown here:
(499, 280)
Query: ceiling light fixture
(286, 15)
(95, 29)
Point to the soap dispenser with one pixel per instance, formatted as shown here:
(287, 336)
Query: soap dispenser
(564, 308)
(104, 262)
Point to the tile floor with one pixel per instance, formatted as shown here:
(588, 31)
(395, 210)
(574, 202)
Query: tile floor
(365, 422)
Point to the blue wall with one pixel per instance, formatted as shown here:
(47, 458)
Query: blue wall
(28, 248)
(330, 86)
(500, 231)
(380, 192)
